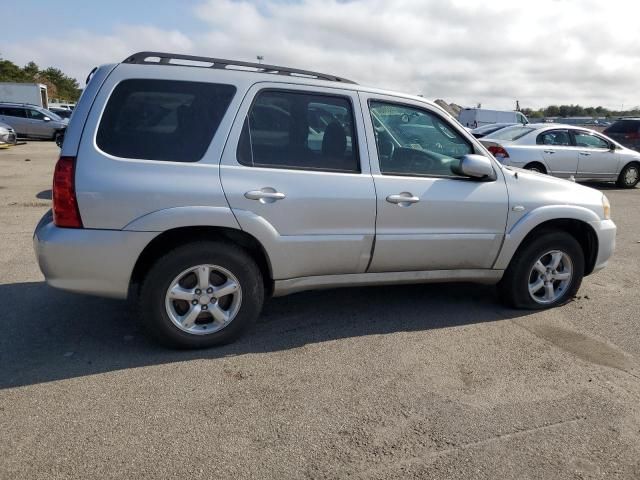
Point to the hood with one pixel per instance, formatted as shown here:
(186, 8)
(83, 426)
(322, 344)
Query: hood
(532, 190)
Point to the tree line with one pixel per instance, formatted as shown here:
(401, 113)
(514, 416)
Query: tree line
(578, 111)
(59, 85)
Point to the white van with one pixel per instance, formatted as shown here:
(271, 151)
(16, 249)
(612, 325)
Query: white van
(476, 117)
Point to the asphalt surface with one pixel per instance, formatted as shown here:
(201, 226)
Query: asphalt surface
(436, 381)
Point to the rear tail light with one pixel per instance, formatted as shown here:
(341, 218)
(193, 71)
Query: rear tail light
(632, 136)
(498, 151)
(65, 203)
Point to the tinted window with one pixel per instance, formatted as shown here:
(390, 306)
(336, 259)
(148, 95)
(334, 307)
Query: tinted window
(588, 140)
(554, 137)
(412, 141)
(624, 126)
(35, 114)
(301, 131)
(511, 133)
(12, 112)
(162, 119)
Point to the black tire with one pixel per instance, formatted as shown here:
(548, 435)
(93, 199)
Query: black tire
(151, 300)
(623, 182)
(535, 167)
(514, 286)
(58, 137)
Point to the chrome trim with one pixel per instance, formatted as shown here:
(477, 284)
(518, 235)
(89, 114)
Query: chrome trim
(292, 285)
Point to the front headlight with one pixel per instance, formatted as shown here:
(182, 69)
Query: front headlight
(606, 206)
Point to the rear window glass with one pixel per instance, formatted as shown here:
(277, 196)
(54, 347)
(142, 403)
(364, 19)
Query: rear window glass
(510, 133)
(299, 130)
(162, 119)
(624, 126)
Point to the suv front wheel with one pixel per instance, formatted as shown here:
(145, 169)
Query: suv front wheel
(545, 272)
(200, 295)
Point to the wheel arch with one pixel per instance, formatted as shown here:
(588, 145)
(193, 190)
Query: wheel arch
(176, 237)
(545, 169)
(573, 220)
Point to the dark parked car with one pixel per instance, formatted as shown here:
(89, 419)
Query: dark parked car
(61, 112)
(487, 129)
(626, 131)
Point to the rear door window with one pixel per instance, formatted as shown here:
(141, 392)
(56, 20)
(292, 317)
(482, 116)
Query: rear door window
(162, 119)
(13, 112)
(554, 137)
(299, 130)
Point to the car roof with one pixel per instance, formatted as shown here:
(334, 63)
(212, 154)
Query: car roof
(15, 104)
(265, 73)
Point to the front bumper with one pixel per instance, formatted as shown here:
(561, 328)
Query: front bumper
(96, 262)
(9, 137)
(606, 232)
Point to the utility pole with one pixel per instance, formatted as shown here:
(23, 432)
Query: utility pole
(517, 106)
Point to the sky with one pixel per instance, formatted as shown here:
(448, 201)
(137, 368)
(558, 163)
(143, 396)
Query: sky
(492, 52)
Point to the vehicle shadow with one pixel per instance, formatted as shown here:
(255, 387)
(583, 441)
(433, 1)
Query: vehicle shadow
(52, 335)
(44, 195)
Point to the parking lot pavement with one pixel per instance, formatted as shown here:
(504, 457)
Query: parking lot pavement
(436, 381)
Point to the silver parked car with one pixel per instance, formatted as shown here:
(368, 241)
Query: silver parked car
(565, 151)
(7, 134)
(31, 121)
(201, 191)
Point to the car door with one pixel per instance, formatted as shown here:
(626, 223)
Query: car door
(16, 117)
(428, 217)
(596, 159)
(558, 152)
(296, 174)
(37, 125)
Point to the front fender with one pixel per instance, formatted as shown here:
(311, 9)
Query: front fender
(535, 218)
(176, 217)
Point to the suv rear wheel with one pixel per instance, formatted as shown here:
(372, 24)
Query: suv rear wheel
(545, 272)
(629, 176)
(200, 295)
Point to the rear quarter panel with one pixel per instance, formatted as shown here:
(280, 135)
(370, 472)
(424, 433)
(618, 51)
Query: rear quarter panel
(114, 192)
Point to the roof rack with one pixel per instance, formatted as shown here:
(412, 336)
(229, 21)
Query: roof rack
(161, 58)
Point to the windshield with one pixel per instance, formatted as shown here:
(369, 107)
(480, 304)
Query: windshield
(510, 133)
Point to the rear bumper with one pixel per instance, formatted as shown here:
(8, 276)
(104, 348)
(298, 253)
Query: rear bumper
(606, 232)
(96, 262)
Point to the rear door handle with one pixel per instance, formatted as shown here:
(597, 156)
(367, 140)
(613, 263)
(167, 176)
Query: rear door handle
(586, 154)
(403, 199)
(265, 195)
(549, 151)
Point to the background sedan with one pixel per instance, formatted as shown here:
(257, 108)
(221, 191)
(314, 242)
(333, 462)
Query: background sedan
(565, 151)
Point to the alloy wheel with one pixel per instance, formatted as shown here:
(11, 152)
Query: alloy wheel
(203, 299)
(550, 277)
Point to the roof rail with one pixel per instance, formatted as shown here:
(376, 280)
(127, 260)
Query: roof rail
(160, 58)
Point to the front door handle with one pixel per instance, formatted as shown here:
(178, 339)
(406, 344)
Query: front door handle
(265, 195)
(549, 151)
(404, 199)
(586, 154)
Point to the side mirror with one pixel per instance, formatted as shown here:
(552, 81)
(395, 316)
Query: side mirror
(46, 119)
(475, 166)
(612, 147)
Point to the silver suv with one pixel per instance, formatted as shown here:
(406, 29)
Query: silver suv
(200, 186)
(31, 121)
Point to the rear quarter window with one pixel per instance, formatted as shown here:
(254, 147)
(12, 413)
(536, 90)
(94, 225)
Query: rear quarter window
(162, 120)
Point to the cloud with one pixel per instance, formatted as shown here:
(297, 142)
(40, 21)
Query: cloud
(539, 52)
(77, 52)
